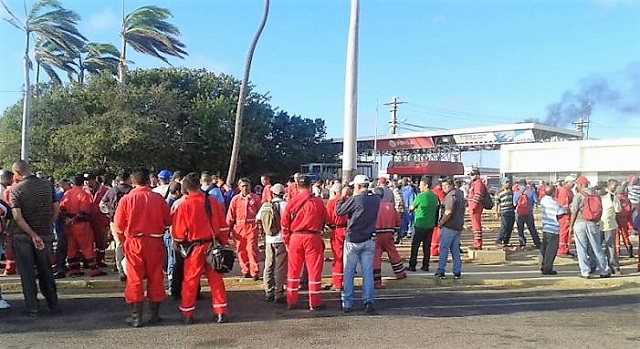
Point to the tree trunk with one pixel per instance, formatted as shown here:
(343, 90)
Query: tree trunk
(233, 163)
(122, 65)
(26, 111)
(37, 86)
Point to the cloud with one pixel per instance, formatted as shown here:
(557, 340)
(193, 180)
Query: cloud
(198, 61)
(106, 19)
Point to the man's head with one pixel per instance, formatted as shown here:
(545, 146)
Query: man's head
(6, 178)
(175, 190)
(296, 176)
(405, 181)
(569, 181)
(550, 190)
(64, 184)
(336, 189)
(506, 182)
(205, 178)
(220, 182)
(140, 177)
(304, 182)
(191, 183)
(21, 169)
(474, 174)
(612, 185)
(244, 184)
(447, 185)
(277, 190)
(177, 176)
(153, 180)
(360, 184)
(425, 184)
(164, 176)
(78, 181)
(90, 180)
(581, 183)
(265, 180)
(383, 181)
(379, 191)
(522, 182)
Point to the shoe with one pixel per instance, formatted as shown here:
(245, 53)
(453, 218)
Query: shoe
(256, 278)
(291, 306)
(123, 278)
(605, 276)
(440, 276)
(4, 304)
(347, 310)
(549, 272)
(220, 318)
(586, 277)
(369, 309)
(280, 300)
(187, 320)
(269, 299)
(457, 276)
(102, 265)
(318, 308)
(425, 268)
(335, 289)
(154, 309)
(32, 313)
(247, 276)
(411, 269)
(59, 275)
(135, 320)
(592, 270)
(617, 271)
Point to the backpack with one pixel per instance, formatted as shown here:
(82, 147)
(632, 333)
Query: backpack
(487, 201)
(522, 205)
(592, 207)
(270, 218)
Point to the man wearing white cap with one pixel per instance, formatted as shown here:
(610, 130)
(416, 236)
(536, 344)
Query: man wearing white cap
(564, 197)
(275, 264)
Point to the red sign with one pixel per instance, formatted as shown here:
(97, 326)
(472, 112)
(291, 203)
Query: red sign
(433, 168)
(405, 143)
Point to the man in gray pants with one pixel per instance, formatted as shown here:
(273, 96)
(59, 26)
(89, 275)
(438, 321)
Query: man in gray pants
(275, 264)
(551, 209)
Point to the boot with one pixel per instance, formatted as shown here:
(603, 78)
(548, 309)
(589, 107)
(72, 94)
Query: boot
(135, 320)
(630, 250)
(154, 308)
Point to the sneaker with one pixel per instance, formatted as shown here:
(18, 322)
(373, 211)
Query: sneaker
(425, 268)
(4, 304)
(369, 309)
(439, 276)
(457, 276)
(411, 268)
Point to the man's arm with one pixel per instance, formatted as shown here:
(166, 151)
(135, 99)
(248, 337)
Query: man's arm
(344, 207)
(17, 217)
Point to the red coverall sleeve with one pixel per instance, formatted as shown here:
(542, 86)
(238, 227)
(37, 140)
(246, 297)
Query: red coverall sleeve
(285, 224)
(179, 225)
(120, 218)
(231, 215)
(477, 191)
(166, 215)
(223, 234)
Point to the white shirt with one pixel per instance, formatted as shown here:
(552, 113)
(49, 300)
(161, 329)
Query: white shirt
(276, 239)
(161, 189)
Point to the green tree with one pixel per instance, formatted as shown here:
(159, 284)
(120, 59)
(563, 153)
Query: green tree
(147, 31)
(49, 21)
(95, 58)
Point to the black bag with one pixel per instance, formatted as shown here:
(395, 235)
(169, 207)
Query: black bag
(221, 258)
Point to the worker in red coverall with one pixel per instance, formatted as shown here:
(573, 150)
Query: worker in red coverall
(292, 187)
(623, 218)
(387, 223)
(74, 211)
(140, 220)
(241, 219)
(338, 225)
(99, 221)
(10, 263)
(564, 197)
(192, 226)
(435, 239)
(266, 189)
(302, 222)
(477, 190)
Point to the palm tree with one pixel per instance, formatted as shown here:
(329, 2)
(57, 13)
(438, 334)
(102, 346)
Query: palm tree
(97, 58)
(49, 56)
(147, 31)
(235, 151)
(46, 19)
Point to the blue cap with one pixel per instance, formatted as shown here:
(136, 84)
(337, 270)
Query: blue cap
(164, 174)
(505, 180)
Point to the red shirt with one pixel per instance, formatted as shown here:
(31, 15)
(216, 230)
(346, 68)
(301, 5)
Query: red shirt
(243, 209)
(439, 192)
(564, 197)
(266, 193)
(190, 221)
(304, 212)
(388, 218)
(335, 220)
(142, 212)
(75, 200)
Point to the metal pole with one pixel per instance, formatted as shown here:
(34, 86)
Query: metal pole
(349, 150)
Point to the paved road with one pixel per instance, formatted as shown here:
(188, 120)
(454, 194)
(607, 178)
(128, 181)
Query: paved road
(409, 318)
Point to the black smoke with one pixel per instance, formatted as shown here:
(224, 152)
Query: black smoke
(618, 93)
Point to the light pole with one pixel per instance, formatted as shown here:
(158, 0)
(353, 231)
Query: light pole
(349, 149)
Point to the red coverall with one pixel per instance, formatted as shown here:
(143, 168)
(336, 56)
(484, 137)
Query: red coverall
(387, 223)
(435, 239)
(241, 218)
(10, 263)
(291, 190)
(623, 218)
(99, 221)
(78, 232)
(267, 195)
(302, 223)
(476, 191)
(564, 197)
(190, 223)
(140, 220)
(338, 225)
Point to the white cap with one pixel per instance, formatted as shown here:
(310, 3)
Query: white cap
(277, 189)
(570, 178)
(360, 180)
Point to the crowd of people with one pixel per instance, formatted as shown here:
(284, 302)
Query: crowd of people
(163, 226)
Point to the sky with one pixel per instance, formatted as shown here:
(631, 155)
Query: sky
(456, 63)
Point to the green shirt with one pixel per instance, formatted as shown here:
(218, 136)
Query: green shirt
(426, 207)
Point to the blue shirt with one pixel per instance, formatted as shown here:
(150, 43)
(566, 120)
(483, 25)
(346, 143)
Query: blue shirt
(362, 211)
(215, 193)
(408, 195)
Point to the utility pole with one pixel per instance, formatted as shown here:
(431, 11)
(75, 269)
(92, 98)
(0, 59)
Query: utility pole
(350, 142)
(394, 114)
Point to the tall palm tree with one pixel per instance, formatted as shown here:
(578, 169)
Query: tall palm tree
(235, 151)
(49, 56)
(95, 58)
(46, 19)
(147, 31)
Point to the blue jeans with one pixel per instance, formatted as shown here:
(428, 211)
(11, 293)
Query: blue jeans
(528, 220)
(407, 221)
(507, 220)
(171, 259)
(450, 241)
(588, 235)
(361, 252)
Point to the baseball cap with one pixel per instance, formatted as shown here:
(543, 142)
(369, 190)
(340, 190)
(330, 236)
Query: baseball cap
(277, 188)
(383, 180)
(164, 174)
(505, 180)
(360, 180)
(582, 180)
(89, 176)
(474, 172)
(570, 178)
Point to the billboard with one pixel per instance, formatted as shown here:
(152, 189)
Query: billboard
(516, 136)
(405, 143)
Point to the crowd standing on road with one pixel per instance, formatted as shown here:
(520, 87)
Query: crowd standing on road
(165, 226)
